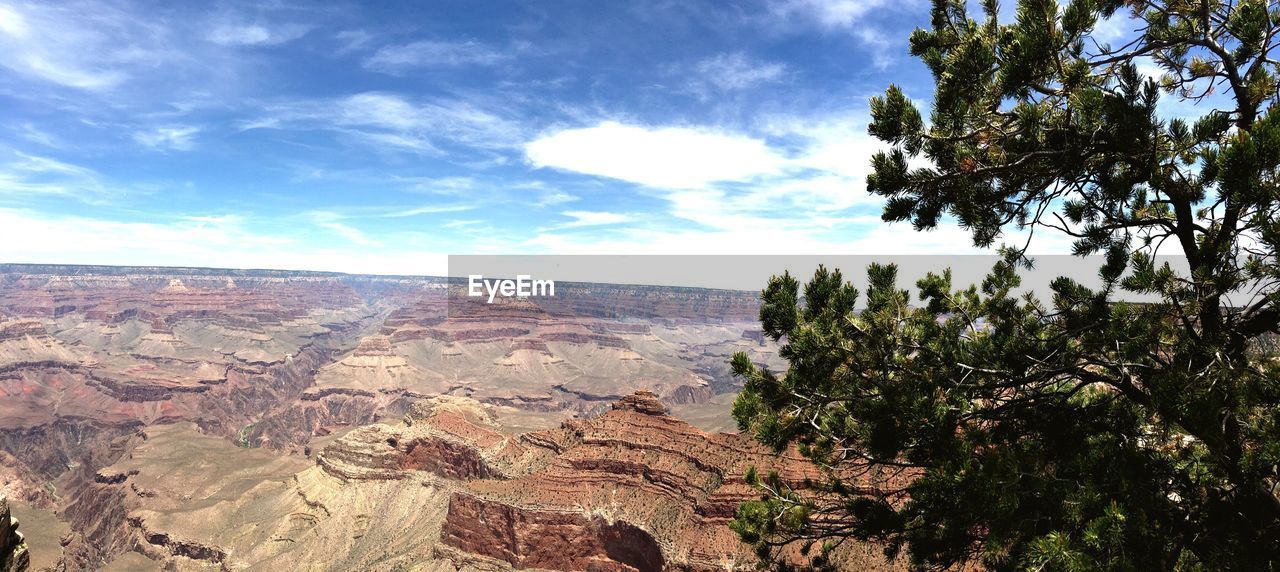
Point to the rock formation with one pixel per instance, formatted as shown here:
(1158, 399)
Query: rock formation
(445, 489)
(200, 417)
(13, 549)
(632, 489)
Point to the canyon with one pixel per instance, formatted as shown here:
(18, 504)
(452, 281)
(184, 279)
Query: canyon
(197, 419)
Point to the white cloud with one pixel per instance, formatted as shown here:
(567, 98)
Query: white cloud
(32, 174)
(1119, 26)
(663, 157)
(332, 221)
(352, 40)
(805, 192)
(12, 23)
(731, 181)
(83, 46)
(177, 137)
(108, 62)
(830, 13)
(554, 198)
(34, 134)
(881, 46)
(386, 119)
(737, 71)
(350, 233)
(856, 17)
(593, 218)
(232, 34)
(430, 209)
(445, 186)
(429, 53)
(338, 214)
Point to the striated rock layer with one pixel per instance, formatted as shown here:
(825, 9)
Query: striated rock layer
(193, 502)
(630, 490)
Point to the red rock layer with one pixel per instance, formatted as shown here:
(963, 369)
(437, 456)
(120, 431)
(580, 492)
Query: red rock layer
(549, 539)
(632, 489)
(440, 436)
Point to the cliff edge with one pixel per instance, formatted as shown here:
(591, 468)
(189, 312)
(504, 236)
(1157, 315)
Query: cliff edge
(13, 549)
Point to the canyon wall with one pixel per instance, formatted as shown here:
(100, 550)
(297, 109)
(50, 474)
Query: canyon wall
(320, 402)
(445, 488)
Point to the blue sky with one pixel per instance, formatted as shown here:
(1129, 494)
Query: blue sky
(378, 138)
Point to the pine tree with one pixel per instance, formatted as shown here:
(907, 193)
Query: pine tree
(1082, 432)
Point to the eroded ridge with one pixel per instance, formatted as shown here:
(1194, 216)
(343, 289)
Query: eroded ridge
(631, 489)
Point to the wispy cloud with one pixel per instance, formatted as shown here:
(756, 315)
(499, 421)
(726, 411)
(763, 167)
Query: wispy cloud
(32, 174)
(398, 58)
(352, 40)
(443, 186)
(86, 46)
(390, 120)
(550, 198)
(430, 209)
(862, 18)
(882, 48)
(357, 212)
(34, 134)
(736, 70)
(830, 13)
(332, 221)
(245, 34)
(175, 137)
(593, 218)
(1117, 27)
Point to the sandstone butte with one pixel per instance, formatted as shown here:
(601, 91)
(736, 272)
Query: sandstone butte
(631, 489)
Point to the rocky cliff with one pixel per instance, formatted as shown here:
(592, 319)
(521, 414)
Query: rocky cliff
(13, 549)
(445, 489)
(631, 489)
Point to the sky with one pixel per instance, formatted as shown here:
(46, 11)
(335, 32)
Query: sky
(380, 137)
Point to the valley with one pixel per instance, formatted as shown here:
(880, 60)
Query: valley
(194, 419)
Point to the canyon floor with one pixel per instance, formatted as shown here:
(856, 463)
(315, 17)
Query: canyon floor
(201, 419)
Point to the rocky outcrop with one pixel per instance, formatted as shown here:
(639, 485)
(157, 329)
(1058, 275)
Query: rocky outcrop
(19, 483)
(645, 402)
(13, 548)
(452, 437)
(630, 490)
(548, 539)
